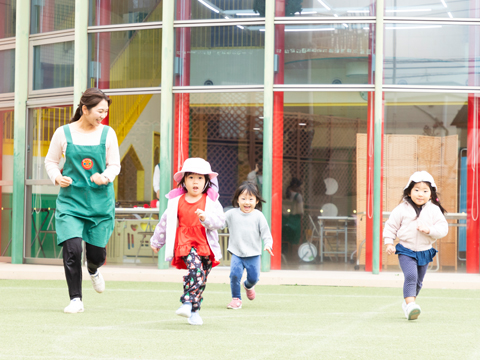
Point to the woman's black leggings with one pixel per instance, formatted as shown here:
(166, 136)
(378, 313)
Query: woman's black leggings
(72, 263)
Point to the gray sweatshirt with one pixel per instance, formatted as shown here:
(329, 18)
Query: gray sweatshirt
(247, 232)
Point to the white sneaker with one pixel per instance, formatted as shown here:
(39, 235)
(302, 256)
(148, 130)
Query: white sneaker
(185, 310)
(404, 308)
(98, 282)
(195, 319)
(75, 306)
(413, 311)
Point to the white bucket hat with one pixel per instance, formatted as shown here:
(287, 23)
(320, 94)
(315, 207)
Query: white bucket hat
(421, 176)
(197, 166)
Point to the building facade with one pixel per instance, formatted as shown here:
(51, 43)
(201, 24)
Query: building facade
(329, 105)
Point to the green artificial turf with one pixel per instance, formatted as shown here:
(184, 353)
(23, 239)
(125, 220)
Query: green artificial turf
(137, 321)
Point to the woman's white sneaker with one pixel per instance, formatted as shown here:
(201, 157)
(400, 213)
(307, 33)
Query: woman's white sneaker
(413, 311)
(75, 306)
(98, 282)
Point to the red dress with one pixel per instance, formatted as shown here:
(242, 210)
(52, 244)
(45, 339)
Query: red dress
(191, 233)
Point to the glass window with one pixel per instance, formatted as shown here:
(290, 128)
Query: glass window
(53, 65)
(41, 239)
(324, 54)
(454, 9)
(219, 9)
(221, 55)
(52, 15)
(226, 129)
(136, 121)
(125, 59)
(43, 123)
(6, 176)
(433, 54)
(317, 137)
(7, 18)
(108, 12)
(7, 71)
(329, 8)
(428, 131)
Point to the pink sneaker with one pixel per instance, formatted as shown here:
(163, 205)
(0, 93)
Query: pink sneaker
(235, 304)
(250, 292)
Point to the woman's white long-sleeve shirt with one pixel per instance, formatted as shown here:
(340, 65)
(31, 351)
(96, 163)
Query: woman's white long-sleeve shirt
(403, 223)
(58, 146)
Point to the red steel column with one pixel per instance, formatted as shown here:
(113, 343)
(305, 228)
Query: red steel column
(473, 173)
(473, 137)
(3, 10)
(277, 150)
(48, 17)
(182, 101)
(104, 18)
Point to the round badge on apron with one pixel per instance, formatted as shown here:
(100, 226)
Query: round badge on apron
(87, 163)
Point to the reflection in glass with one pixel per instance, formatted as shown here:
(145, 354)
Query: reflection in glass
(7, 18)
(125, 59)
(221, 55)
(43, 122)
(6, 174)
(219, 9)
(53, 65)
(7, 71)
(321, 163)
(41, 238)
(226, 129)
(112, 12)
(52, 15)
(414, 54)
(453, 9)
(426, 131)
(328, 8)
(325, 54)
(136, 121)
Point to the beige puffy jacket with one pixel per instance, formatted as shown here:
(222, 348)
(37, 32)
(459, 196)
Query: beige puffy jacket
(403, 224)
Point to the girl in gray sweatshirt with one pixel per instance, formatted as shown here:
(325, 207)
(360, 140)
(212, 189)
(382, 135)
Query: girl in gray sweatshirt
(247, 227)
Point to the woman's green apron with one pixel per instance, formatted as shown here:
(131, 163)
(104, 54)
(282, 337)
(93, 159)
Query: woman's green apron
(84, 209)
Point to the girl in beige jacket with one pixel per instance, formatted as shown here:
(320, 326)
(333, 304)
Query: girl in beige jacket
(418, 221)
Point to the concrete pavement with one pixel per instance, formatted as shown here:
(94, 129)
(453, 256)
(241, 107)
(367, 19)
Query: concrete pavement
(220, 275)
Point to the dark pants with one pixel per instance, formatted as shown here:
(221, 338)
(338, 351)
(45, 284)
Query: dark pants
(72, 263)
(413, 274)
(195, 281)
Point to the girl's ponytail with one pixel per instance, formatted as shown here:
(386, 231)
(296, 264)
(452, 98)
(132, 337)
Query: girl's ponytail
(78, 114)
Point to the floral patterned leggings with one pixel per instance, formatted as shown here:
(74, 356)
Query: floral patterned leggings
(195, 281)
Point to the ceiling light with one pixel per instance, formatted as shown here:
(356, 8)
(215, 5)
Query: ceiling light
(324, 5)
(210, 6)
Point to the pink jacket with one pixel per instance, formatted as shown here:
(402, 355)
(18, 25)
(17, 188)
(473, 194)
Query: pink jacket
(403, 224)
(166, 229)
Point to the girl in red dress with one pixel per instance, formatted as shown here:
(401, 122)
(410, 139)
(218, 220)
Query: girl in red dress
(188, 228)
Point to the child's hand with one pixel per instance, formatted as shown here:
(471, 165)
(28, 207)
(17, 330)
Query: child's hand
(390, 249)
(155, 250)
(269, 250)
(201, 214)
(423, 229)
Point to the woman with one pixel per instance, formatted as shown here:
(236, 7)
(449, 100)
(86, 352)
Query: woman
(86, 201)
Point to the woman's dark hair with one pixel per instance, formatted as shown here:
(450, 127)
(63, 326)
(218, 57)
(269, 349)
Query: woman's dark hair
(434, 195)
(90, 98)
(294, 184)
(208, 183)
(251, 189)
